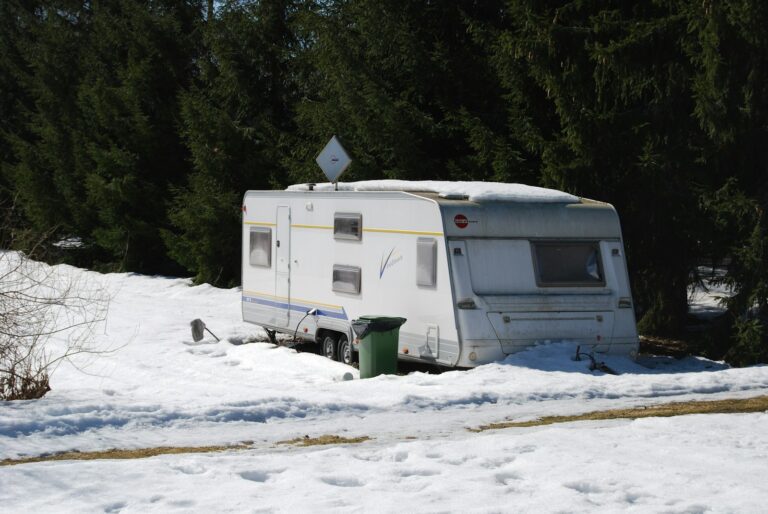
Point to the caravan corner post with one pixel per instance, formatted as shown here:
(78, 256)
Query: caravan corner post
(476, 280)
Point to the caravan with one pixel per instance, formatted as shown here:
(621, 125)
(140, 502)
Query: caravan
(479, 270)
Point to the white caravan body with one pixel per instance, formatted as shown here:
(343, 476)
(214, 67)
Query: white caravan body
(475, 280)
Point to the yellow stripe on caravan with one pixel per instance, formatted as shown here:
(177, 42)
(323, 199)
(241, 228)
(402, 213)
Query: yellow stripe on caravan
(298, 300)
(381, 230)
(324, 227)
(396, 231)
(330, 227)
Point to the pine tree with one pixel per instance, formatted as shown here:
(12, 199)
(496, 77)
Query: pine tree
(130, 154)
(409, 89)
(729, 48)
(606, 90)
(44, 59)
(235, 119)
(14, 100)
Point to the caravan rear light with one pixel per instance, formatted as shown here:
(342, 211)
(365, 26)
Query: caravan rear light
(466, 303)
(625, 303)
(472, 356)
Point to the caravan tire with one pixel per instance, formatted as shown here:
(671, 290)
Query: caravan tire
(329, 348)
(346, 355)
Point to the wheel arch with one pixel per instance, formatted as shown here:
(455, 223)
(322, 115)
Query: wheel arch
(321, 333)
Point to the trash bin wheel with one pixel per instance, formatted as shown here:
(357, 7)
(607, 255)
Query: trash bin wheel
(346, 355)
(329, 347)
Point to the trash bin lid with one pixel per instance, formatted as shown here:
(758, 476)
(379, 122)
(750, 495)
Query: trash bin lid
(367, 324)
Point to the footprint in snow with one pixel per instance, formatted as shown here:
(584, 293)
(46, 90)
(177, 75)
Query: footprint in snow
(457, 461)
(190, 469)
(583, 487)
(400, 456)
(115, 507)
(506, 478)
(498, 462)
(255, 476)
(258, 475)
(342, 481)
(368, 456)
(209, 352)
(524, 449)
(418, 473)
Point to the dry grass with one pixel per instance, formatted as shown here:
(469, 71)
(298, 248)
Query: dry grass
(756, 404)
(140, 453)
(143, 453)
(324, 439)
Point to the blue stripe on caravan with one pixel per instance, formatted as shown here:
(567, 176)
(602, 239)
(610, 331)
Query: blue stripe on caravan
(296, 307)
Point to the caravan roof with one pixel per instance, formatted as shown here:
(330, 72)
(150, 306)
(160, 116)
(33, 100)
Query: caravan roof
(493, 209)
(473, 191)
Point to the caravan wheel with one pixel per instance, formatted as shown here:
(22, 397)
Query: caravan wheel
(329, 347)
(346, 355)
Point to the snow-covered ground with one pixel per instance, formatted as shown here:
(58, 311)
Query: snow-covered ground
(159, 388)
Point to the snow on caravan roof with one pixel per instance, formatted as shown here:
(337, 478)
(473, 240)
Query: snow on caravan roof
(474, 191)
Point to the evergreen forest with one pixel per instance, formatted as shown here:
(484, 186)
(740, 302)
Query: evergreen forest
(136, 126)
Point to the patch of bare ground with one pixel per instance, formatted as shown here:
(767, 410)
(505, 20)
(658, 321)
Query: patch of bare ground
(651, 345)
(115, 453)
(324, 439)
(756, 404)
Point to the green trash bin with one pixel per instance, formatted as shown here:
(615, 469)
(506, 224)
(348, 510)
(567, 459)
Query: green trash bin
(378, 344)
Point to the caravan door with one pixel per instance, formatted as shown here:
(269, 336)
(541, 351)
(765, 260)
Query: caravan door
(283, 265)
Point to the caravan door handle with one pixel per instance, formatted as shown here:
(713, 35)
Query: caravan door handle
(278, 243)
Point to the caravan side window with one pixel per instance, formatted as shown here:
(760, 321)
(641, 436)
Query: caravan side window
(348, 225)
(261, 247)
(567, 263)
(426, 261)
(346, 279)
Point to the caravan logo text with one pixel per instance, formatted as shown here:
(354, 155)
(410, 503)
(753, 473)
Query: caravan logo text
(392, 258)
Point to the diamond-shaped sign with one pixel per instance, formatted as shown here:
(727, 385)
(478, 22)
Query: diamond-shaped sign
(333, 160)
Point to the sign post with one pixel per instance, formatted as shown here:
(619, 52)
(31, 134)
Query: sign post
(333, 160)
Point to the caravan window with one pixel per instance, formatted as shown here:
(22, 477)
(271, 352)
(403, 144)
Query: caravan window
(567, 264)
(500, 266)
(261, 247)
(346, 279)
(348, 226)
(426, 261)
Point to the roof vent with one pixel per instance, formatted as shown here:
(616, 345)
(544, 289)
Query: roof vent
(453, 196)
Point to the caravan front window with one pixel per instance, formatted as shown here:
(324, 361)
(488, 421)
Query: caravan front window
(261, 247)
(566, 263)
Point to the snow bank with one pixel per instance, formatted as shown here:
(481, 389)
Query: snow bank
(474, 191)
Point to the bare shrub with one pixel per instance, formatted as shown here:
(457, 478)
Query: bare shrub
(47, 314)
